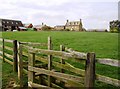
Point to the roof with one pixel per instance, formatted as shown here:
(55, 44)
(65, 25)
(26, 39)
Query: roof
(9, 19)
(37, 26)
(27, 24)
(9, 22)
(22, 28)
(59, 25)
(73, 23)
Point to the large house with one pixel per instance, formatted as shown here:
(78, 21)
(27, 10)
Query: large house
(10, 25)
(71, 25)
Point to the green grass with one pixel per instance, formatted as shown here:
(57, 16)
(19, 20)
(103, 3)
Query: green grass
(105, 45)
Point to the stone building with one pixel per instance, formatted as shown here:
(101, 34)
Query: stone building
(10, 25)
(38, 27)
(74, 25)
(59, 27)
(71, 25)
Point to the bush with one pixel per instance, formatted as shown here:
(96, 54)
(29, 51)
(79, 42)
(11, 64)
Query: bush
(46, 28)
(65, 30)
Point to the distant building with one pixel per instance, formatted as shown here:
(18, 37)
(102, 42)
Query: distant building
(72, 26)
(38, 27)
(28, 25)
(59, 27)
(97, 30)
(10, 25)
(114, 26)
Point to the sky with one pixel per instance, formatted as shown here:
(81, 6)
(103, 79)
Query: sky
(94, 14)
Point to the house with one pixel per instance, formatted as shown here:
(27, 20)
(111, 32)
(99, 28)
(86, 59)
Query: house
(38, 27)
(10, 25)
(71, 25)
(74, 25)
(28, 25)
(59, 27)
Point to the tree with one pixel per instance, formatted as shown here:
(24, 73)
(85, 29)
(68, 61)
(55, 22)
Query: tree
(114, 26)
(46, 28)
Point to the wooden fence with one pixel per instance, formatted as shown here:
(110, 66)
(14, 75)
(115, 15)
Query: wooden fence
(52, 68)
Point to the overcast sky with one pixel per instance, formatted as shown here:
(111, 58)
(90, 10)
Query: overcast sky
(56, 12)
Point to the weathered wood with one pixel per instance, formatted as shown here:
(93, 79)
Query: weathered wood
(75, 52)
(63, 55)
(34, 85)
(57, 74)
(3, 50)
(9, 41)
(52, 84)
(8, 48)
(6, 60)
(90, 71)
(1, 39)
(8, 55)
(49, 60)
(33, 44)
(63, 66)
(62, 48)
(20, 65)
(31, 74)
(108, 80)
(107, 61)
(15, 51)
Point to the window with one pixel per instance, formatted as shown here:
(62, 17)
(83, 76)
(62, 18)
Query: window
(12, 23)
(74, 23)
(3, 21)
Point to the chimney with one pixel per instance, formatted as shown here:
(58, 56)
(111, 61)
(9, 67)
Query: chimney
(67, 20)
(42, 24)
(81, 20)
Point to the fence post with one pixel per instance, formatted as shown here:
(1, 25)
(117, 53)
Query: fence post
(49, 60)
(15, 50)
(20, 65)
(31, 62)
(90, 71)
(62, 48)
(3, 50)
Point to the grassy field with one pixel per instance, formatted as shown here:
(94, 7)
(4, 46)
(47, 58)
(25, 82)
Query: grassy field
(105, 45)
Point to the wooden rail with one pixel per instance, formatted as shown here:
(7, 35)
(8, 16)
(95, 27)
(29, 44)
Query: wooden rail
(106, 61)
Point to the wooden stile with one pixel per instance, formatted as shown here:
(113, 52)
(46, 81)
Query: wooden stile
(90, 71)
(15, 55)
